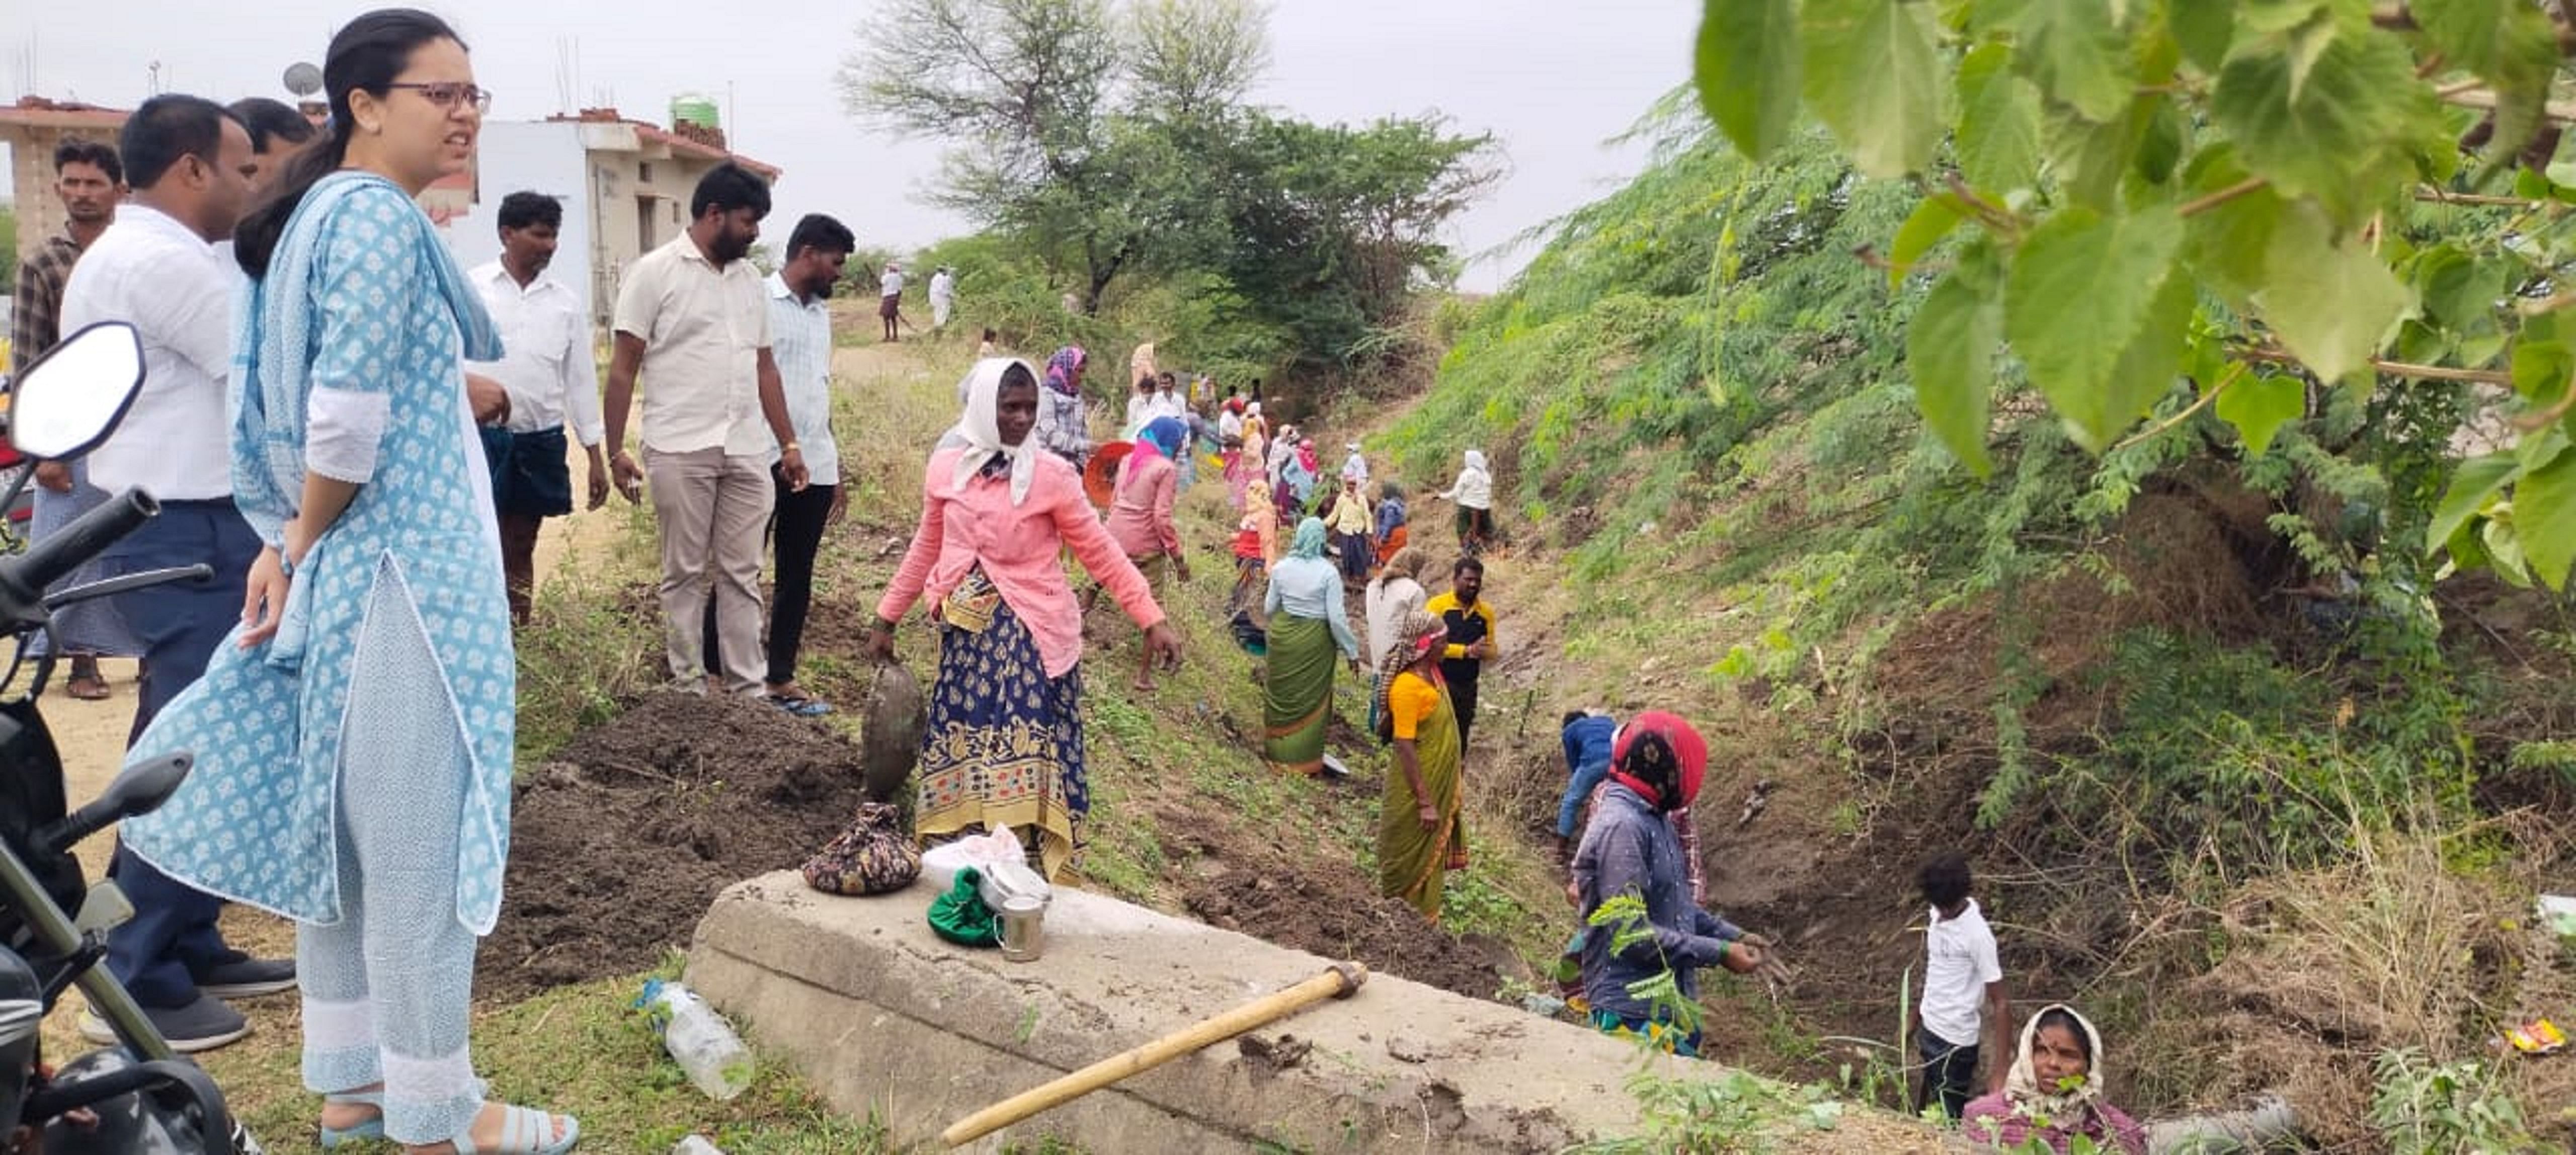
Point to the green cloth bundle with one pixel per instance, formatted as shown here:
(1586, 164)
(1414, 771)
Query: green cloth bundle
(960, 915)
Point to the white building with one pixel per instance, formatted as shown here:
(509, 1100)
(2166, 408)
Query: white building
(624, 184)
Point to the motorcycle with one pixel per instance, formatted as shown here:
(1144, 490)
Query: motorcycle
(139, 1096)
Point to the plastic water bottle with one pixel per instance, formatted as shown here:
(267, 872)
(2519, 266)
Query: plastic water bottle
(696, 1145)
(698, 1038)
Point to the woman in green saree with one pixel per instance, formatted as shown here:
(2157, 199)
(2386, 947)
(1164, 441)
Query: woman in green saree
(1421, 833)
(1309, 621)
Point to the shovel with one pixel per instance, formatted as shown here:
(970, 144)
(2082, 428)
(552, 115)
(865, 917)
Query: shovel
(1338, 981)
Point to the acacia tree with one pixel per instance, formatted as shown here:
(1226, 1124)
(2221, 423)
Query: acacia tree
(2251, 202)
(1057, 108)
(1328, 227)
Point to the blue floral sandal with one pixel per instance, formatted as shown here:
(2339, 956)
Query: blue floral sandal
(373, 1128)
(523, 1132)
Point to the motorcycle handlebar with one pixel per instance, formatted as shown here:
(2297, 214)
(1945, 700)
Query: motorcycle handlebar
(61, 552)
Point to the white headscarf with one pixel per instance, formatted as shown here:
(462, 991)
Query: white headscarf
(981, 429)
(2021, 1082)
(1476, 460)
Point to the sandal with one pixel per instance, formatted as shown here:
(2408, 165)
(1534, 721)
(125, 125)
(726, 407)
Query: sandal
(373, 1128)
(523, 1132)
(86, 686)
(800, 705)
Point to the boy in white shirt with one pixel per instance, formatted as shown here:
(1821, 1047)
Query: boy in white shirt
(1963, 992)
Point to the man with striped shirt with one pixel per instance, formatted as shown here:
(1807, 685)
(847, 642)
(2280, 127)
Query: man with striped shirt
(800, 331)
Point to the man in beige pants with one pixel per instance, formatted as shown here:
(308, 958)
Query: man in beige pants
(693, 321)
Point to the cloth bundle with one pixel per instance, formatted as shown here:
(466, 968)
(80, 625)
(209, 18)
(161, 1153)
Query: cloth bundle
(960, 915)
(873, 856)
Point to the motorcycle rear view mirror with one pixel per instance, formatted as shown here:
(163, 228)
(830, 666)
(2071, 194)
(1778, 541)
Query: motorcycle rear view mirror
(65, 404)
(140, 789)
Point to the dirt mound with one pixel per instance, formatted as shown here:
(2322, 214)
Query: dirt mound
(618, 845)
(1334, 913)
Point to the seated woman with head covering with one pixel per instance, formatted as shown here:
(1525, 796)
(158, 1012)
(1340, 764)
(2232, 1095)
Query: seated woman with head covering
(2054, 1093)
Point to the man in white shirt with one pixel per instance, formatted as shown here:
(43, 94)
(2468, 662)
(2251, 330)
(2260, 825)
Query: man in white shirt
(890, 297)
(158, 267)
(800, 332)
(943, 297)
(693, 325)
(550, 374)
(1963, 1010)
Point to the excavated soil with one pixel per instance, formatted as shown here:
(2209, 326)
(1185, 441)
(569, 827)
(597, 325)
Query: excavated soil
(620, 843)
(1329, 909)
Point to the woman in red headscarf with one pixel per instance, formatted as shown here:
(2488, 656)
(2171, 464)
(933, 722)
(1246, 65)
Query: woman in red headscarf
(1656, 766)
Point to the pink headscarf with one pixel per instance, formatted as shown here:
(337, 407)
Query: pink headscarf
(1064, 370)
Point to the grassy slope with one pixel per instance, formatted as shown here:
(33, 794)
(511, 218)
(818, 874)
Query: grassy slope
(2084, 673)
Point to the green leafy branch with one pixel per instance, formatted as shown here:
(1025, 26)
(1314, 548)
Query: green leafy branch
(2132, 197)
(1624, 916)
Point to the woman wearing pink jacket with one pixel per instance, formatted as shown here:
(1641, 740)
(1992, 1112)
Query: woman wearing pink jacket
(1004, 746)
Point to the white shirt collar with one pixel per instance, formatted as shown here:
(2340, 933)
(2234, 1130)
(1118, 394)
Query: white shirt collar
(494, 272)
(145, 216)
(778, 291)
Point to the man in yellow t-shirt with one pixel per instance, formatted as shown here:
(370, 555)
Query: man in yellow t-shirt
(1472, 640)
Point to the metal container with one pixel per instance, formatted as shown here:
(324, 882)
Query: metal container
(1023, 929)
(1004, 881)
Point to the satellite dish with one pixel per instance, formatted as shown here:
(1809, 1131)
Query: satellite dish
(303, 79)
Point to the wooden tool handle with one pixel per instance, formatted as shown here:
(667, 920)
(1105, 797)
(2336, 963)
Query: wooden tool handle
(1338, 981)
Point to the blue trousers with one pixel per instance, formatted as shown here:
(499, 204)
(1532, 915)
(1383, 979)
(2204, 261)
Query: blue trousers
(1578, 790)
(172, 939)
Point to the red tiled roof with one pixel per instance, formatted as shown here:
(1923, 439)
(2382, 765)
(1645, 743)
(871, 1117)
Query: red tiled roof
(38, 112)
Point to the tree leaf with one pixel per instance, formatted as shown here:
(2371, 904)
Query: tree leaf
(2331, 302)
(2540, 448)
(2341, 136)
(2457, 292)
(2074, 51)
(1930, 221)
(2227, 244)
(2502, 545)
(1950, 349)
(1873, 76)
(1747, 70)
(2259, 405)
(2507, 43)
(1998, 140)
(2094, 309)
(2089, 159)
(2540, 370)
(2203, 29)
(2544, 519)
(2476, 480)
(2161, 145)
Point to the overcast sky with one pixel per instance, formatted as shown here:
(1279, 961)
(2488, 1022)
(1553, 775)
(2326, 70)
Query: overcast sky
(1552, 81)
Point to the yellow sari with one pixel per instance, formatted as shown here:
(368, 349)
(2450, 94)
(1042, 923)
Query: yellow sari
(1412, 862)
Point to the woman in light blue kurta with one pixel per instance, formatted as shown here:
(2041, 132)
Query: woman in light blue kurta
(354, 750)
(1309, 622)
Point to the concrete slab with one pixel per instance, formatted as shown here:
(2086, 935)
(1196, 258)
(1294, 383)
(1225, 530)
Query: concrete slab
(885, 1019)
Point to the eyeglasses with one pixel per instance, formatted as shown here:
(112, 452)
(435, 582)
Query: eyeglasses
(446, 94)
